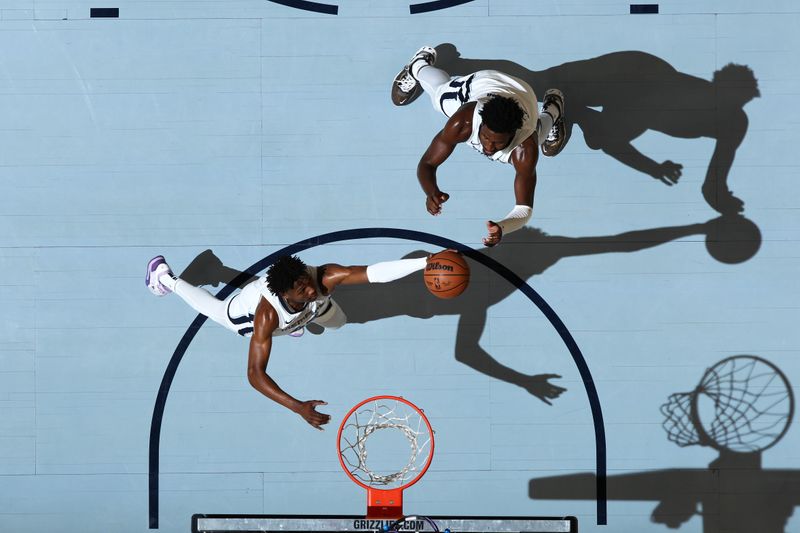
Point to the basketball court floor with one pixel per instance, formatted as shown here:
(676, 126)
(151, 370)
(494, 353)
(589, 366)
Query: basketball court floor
(219, 133)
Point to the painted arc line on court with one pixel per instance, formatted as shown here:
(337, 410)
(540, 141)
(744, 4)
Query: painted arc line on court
(392, 233)
(305, 5)
(435, 5)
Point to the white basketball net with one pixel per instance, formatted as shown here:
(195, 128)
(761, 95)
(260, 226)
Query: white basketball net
(381, 415)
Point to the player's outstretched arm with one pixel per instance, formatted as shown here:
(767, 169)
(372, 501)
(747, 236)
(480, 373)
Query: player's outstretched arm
(524, 159)
(457, 130)
(264, 324)
(715, 186)
(383, 272)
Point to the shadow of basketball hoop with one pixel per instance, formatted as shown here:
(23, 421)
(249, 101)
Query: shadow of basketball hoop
(742, 406)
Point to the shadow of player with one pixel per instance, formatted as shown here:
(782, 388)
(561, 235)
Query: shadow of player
(527, 252)
(616, 97)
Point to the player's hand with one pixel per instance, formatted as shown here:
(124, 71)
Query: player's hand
(433, 255)
(668, 173)
(309, 412)
(540, 386)
(722, 201)
(495, 234)
(434, 202)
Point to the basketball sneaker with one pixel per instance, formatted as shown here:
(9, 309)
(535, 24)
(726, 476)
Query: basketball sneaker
(156, 268)
(406, 88)
(557, 136)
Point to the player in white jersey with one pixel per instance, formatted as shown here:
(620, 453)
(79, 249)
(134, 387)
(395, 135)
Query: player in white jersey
(282, 302)
(495, 114)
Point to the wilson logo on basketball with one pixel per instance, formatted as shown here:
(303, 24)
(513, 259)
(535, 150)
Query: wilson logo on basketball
(439, 266)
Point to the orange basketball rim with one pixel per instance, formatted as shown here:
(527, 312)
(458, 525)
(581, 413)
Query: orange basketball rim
(373, 416)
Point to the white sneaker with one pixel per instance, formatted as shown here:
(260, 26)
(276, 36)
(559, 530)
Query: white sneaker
(557, 136)
(405, 87)
(156, 268)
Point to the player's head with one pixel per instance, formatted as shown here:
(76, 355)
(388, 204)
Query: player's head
(501, 118)
(288, 277)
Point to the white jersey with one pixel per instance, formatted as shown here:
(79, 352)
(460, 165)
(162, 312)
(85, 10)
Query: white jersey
(241, 308)
(477, 88)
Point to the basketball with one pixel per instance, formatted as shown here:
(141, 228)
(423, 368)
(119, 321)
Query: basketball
(446, 274)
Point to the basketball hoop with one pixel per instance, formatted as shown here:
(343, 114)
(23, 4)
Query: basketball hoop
(385, 482)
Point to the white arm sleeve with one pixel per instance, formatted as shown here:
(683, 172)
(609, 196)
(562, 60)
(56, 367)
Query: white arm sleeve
(515, 219)
(392, 270)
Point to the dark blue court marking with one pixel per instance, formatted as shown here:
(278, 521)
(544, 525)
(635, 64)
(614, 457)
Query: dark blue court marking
(436, 5)
(305, 5)
(392, 233)
(644, 9)
(104, 12)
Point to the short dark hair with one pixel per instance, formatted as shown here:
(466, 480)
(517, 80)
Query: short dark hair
(284, 273)
(501, 114)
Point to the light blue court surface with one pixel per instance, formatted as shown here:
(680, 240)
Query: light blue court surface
(242, 127)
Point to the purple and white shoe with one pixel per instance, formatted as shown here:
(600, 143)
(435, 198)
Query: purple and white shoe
(297, 333)
(156, 268)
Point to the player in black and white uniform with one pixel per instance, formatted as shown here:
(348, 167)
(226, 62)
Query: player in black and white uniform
(290, 296)
(494, 113)
(242, 307)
